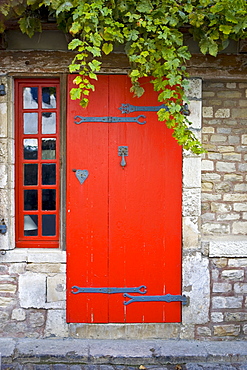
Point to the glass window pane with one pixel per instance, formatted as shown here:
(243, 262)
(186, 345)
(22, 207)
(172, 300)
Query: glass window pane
(48, 199)
(48, 123)
(30, 123)
(48, 148)
(48, 174)
(30, 174)
(48, 97)
(30, 225)
(30, 200)
(30, 98)
(30, 148)
(48, 225)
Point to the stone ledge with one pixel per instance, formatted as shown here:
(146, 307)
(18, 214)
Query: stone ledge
(228, 248)
(30, 255)
(120, 352)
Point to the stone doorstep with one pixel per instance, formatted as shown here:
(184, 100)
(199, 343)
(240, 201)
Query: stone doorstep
(120, 352)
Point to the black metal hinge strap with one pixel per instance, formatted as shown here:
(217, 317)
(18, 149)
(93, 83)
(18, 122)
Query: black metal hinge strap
(141, 290)
(156, 298)
(110, 119)
(128, 108)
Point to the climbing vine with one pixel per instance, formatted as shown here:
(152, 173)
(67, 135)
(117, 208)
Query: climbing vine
(152, 33)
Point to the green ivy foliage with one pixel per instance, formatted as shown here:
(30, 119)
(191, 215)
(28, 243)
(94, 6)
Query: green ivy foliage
(152, 32)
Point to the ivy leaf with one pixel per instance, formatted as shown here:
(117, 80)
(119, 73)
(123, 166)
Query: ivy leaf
(74, 44)
(225, 29)
(75, 93)
(107, 48)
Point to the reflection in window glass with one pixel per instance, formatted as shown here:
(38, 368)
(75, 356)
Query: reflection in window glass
(48, 97)
(48, 174)
(30, 123)
(30, 98)
(30, 200)
(48, 123)
(30, 225)
(30, 148)
(48, 148)
(48, 199)
(48, 225)
(30, 174)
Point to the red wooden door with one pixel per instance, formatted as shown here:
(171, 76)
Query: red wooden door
(123, 222)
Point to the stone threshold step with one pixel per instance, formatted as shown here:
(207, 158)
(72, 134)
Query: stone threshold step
(120, 352)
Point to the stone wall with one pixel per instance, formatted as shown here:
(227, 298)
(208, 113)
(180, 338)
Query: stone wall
(224, 216)
(224, 206)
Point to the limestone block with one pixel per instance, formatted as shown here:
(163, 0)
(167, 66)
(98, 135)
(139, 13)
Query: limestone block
(3, 151)
(191, 202)
(196, 275)
(36, 319)
(3, 120)
(215, 229)
(17, 268)
(237, 197)
(244, 139)
(3, 176)
(226, 302)
(211, 176)
(217, 317)
(227, 330)
(233, 177)
(18, 314)
(207, 165)
(208, 130)
(56, 324)
(203, 331)
(6, 301)
(56, 288)
(7, 288)
(240, 262)
(192, 172)
(236, 316)
(207, 112)
(231, 248)
(187, 332)
(239, 227)
(225, 167)
(225, 148)
(49, 268)
(228, 217)
(240, 288)
(195, 108)
(222, 113)
(233, 274)
(190, 233)
(49, 255)
(32, 290)
(194, 89)
(221, 207)
(221, 287)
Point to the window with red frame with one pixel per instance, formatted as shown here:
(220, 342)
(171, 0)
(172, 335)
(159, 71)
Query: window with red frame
(37, 118)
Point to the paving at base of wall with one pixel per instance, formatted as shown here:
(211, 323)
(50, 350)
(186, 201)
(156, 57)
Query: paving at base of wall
(86, 354)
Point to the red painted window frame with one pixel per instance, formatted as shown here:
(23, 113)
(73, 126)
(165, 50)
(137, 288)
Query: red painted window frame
(38, 241)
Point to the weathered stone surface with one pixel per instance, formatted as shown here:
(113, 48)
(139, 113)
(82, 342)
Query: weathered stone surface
(226, 302)
(222, 287)
(226, 330)
(32, 290)
(191, 172)
(196, 274)
(228, 248)
(56, 288)
(56, 324)
(232, 274)
(3, 119)
(18, 314)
